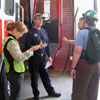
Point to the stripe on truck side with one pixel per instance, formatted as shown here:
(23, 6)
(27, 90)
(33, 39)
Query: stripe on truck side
(0, 36)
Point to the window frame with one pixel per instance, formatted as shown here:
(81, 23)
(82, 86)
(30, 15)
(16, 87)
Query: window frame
(11, 7)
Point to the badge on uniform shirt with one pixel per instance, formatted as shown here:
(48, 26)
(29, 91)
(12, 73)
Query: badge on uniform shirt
(35, 34)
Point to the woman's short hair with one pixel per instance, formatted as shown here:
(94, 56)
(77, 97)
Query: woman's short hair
(20, 26)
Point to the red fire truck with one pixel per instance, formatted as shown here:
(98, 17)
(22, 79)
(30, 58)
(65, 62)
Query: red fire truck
(9, 11)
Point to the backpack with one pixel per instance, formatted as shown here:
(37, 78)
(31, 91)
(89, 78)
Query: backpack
(92, 53)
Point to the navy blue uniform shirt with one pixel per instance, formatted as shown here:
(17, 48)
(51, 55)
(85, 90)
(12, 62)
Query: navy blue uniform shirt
(34, 37)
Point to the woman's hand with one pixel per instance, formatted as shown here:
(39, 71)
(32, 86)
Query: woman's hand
(36, 47)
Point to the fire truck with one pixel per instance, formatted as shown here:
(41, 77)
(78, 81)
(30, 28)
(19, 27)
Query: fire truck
(9, 11)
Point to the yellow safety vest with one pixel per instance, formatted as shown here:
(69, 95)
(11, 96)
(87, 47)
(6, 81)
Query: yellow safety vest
(18, 66)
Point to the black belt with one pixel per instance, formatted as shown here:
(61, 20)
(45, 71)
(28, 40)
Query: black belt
(39, 54)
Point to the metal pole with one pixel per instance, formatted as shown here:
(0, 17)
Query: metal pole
(29, 11)
(95, 5)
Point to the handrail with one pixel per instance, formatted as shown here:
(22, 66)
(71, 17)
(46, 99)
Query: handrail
(1, 62)
(22, 19)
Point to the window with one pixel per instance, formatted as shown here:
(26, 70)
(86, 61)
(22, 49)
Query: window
(47, 7)
(9, 7)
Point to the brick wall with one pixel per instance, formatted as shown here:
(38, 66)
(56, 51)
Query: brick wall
(40, 7)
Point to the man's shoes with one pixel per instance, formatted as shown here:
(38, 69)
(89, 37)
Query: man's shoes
(55, 94)
(36, 98)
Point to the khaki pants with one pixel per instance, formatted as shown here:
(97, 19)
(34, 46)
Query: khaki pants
(85, 86)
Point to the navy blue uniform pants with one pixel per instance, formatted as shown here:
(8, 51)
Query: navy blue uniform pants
(36, 67)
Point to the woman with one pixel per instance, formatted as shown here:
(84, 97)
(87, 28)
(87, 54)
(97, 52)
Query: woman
(13, 57)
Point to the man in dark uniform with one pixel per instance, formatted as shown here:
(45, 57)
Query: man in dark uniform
(37, 62)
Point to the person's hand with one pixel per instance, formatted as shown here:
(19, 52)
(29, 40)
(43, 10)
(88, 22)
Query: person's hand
(36, 47)
(50, 59)
(68, 40)
(42, 45)
(73, 73)
(65, 39)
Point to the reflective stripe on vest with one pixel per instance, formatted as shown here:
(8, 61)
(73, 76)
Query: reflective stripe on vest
(18, 66)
